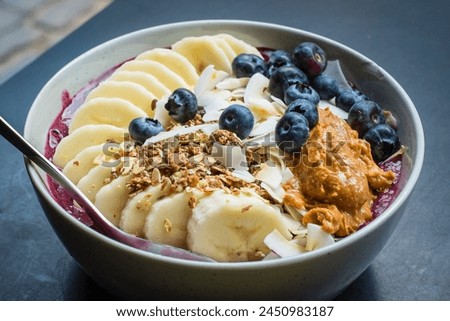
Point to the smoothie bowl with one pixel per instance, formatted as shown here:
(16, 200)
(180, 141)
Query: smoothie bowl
(285, 157)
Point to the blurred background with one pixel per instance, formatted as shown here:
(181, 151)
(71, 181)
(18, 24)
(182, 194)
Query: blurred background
(29, 27)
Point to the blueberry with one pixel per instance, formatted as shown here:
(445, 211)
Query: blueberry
(346, 98)
(310, 58)
(237, 119)
(143, 128)
(182, 105)
(326, 86)
(271, 69)
(246, 65)
(301, 91)
(277, 59)
(365, 114)
(305, 108)
(284, 77)
(383, 141)
(291, 132)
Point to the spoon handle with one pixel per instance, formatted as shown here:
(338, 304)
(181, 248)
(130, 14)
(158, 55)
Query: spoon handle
(101, 224)
(11, 135)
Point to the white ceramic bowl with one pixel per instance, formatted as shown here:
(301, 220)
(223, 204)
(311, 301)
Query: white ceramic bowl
(133, 274)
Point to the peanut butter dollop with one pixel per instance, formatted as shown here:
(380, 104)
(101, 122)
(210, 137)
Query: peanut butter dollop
(336, 179)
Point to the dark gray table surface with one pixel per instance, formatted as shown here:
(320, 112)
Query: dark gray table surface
(410, 39)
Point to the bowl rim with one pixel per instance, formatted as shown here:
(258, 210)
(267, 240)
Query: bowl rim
(405, 192)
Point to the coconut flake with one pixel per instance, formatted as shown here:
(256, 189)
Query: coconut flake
(390, 119)
(238, 94)
(230, 156)
(257, 88)
(208, 80)
(323, 104)
(162, 114)
(276, 156)
(244, 175)
(296, 213)
(256, 96)
(271, 256)
(232, 83)
(210, 128)
(210, 97)
(278, 104)
(278, 101)
(300, 233)
(281, 246)
(264, 127)
(205, 88)
(292, 225)
(276, 193)
(270, 174)
(262, 108)
(263, 140)
(218, 103)
(317, 237)
(212, 116)
(287, 175)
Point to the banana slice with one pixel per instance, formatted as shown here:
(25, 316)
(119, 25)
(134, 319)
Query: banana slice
(228, 227)
(83, 162)
(94, 180)
(226, 48)
(166, 76)
(167, 220)
(112, 111)
(112, 198)
(202, 52)
(174, 61)
(148, 81)
(127, 90)
(238, 45)
(133, 215)
(84, 137)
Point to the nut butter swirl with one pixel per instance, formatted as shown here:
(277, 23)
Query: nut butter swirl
(336, 179)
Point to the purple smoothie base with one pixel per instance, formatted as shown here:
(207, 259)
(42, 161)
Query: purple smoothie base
(59, 129)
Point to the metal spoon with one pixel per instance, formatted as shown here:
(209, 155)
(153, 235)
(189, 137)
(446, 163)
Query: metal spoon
(101, 224)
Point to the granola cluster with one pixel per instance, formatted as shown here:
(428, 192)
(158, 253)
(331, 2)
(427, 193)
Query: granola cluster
(185, 162)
